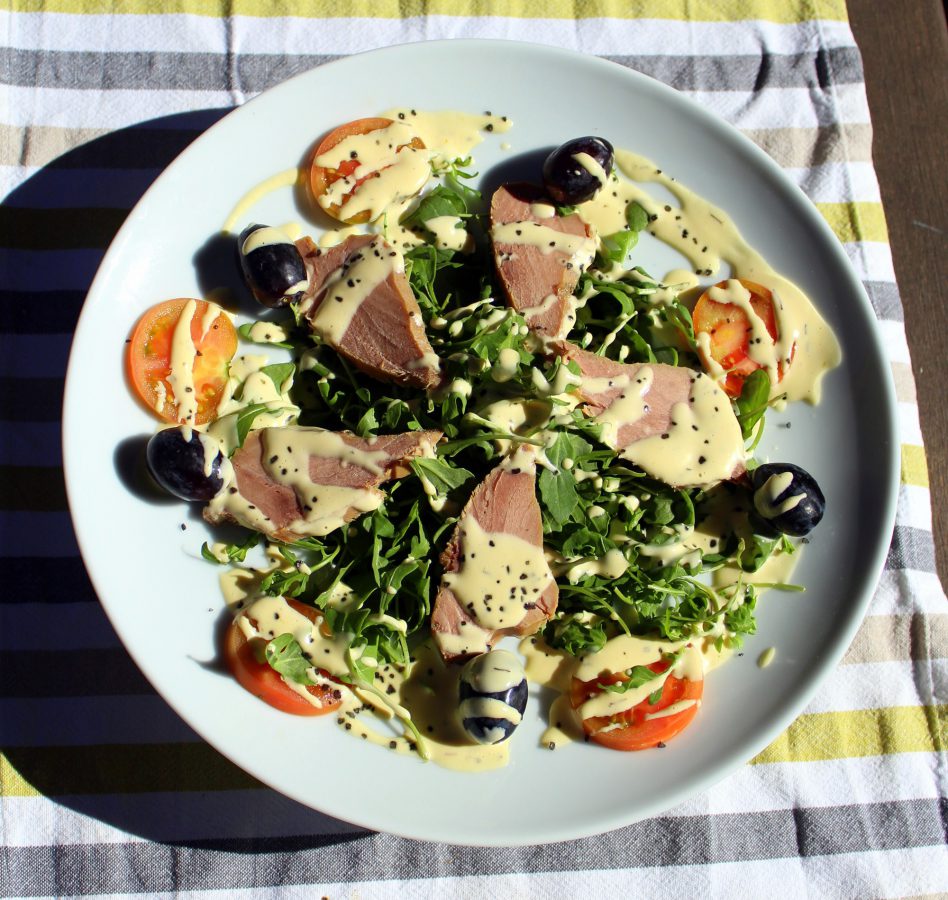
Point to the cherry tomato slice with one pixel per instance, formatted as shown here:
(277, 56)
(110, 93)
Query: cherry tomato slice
(260, 679)
(214, 341)
(632, 729)
(321, 177)
(730, 329)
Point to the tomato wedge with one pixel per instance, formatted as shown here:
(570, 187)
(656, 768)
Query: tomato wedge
(213, 343)
(729, 329)
(632, 729)
(321, 177)
(245, 661)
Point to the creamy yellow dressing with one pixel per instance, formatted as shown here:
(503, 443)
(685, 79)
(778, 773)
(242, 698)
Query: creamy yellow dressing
(247, 386)
(703, 444)
(450, 234)
(267, 333)
(449, 135)
(707, 237)
(242, 208)
(766, 497)
(580, 248)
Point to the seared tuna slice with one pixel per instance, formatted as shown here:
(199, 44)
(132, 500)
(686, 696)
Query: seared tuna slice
(295, 482)
(359, 302)
(675, 424)
(496, 578)
(539, 256)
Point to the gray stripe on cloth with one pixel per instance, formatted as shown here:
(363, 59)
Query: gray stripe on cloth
(884, 297)
(911, 548)
(285, 861)
(251, 73)
(751, 73)
(151, 70)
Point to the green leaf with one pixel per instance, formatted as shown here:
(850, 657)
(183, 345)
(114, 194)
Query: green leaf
(567, 446)
(636, 216)
(233, 552)
(637, 676)
(752, 404)
(279, 373)
(245, 329)
(558, 493)
(285, 656)
(616, 247)
(442, 475)
(575, 637)
(368, 423)
(442, 201)
(284, 584)
(585, 541)
(245, 420)
(756, 551)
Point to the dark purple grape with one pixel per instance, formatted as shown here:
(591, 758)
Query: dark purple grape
(273, 269)
(566, 180)
(801, 515)
(178, 462)
(492, 695)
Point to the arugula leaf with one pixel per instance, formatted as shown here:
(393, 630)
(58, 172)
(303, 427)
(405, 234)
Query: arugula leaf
(285, 656)
(423, 265)
(233, 552)
(752, 404)
(245, 330)
(442, 476)
(640, 675)
(637, 676)
(636, 216)
(442, 201)
(285, 584)
(279, 373)
(575, 637)
(616, 247)
(245, 420)
(558, 493)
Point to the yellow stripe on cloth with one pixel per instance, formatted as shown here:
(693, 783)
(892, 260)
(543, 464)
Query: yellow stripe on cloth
(862, 732)
(860, 221)
(685, 10)
(914, 466)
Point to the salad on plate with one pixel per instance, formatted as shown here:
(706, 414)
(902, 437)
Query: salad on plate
(477, 444)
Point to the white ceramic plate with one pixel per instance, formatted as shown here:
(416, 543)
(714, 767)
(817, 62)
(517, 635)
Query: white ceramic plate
(165, 603)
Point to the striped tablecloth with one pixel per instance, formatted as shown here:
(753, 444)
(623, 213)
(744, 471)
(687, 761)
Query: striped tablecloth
(104, 790)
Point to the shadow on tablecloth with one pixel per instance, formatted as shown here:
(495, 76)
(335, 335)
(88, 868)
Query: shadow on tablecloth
(85, 728)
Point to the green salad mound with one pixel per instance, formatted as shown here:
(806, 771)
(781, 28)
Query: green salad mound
(592, 500)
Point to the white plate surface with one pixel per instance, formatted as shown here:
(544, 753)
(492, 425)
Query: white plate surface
(165, 602)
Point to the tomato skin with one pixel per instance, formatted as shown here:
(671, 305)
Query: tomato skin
(148, 360)
(261, 680)
(729, 328)
(321, 177)
(636, 731)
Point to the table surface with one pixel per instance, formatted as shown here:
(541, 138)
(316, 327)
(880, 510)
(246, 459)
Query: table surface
(906, 67)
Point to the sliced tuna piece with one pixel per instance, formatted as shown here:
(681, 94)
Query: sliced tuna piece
(359, 302)
(675, 424)
(496, 578)
(296, 482)
(539, 256)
